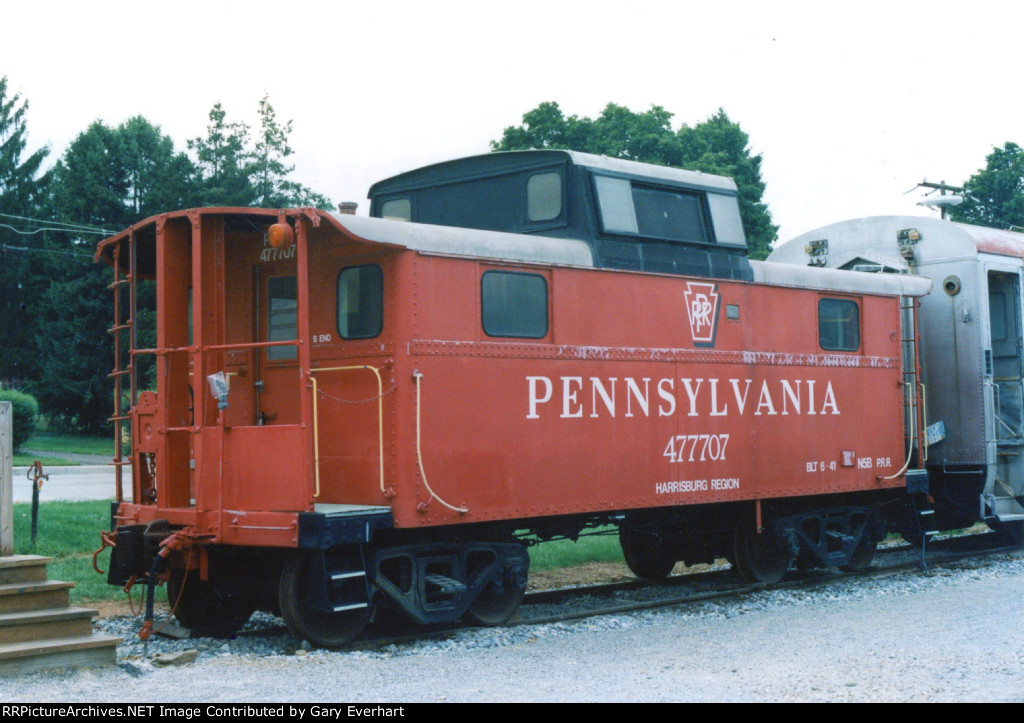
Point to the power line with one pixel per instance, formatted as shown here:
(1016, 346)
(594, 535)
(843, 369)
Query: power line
(56, 226)
(40, 230)
(7, 247)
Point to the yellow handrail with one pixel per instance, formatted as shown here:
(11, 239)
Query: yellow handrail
(316, 426)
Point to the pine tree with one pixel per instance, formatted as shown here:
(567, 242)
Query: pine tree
(234, 172)
(21, 188)
(223, 162)
(109, 178)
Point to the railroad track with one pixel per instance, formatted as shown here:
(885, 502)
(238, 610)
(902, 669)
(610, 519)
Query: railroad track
(717, 583)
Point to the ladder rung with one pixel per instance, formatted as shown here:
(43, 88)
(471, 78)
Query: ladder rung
(119, 418)
(353, 606)
(120, 282)
(119, 372)
(119, 327)
(347, 575)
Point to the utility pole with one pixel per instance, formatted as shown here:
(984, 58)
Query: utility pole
(943, 202)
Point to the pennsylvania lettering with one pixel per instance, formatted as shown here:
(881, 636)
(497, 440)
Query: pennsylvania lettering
(578, 397)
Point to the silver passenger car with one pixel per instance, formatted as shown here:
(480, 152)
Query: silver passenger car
(970, 345)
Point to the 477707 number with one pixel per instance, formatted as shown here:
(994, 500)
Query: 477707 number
(696, 447)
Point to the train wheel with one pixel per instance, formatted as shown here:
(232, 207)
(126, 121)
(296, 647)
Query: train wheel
(861, 557)
(645, 554)
(207, 608)
(496, 604)
(759, 557)
(323, 629)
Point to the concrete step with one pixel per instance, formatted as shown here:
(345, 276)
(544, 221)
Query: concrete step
(75, 652)
(23, 568)
(34, 625)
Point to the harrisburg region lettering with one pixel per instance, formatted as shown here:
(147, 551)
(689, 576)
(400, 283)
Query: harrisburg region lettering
(575, 397)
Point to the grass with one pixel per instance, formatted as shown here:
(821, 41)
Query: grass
(566, 553)
(69, 533)
(62, 444)
(25, 460)
(71, 443)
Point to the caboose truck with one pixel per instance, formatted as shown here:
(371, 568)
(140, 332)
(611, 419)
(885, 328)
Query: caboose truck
(971, 352)
(359, 413)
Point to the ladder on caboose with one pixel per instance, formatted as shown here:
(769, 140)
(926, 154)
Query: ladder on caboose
(123, 325)
(915, 420)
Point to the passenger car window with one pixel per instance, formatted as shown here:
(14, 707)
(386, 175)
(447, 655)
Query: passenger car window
(838, 325)
(514, 304)
(360, 302)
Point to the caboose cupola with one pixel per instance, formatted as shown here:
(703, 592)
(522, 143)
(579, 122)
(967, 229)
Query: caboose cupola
(636, 216)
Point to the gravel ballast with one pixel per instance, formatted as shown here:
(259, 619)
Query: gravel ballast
(949, 634)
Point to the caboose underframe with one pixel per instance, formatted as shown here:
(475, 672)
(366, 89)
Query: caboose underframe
(340, 423)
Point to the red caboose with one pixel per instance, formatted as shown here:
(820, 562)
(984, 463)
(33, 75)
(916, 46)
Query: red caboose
(352, 413)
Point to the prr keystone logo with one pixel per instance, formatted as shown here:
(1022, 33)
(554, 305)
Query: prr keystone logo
(702, 307)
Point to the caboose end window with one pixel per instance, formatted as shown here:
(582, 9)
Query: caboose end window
(514, 304)
(838, 325)
(360, 302)
(544, 196)
(397, 209)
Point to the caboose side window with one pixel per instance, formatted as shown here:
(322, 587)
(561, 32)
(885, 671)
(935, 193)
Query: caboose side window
(838, 325)
(615, 199)
(283, 317)
(638, 209)
(514, 304)
(360, 302)
(725, 217)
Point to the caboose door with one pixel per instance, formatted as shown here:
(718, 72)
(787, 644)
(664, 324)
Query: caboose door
(276, 381)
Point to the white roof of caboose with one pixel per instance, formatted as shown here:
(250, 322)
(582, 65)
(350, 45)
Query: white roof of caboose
(873, 240)
(470, 242)
(496, 245)
(651, 170)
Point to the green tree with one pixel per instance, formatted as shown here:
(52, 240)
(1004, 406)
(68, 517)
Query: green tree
(720, 146)
(546, 127)
(269, 171)
(109, 178)
(236, 172)
(223, 160)
(158, 178)
(22, 186)
(995, 195)
(717, 145)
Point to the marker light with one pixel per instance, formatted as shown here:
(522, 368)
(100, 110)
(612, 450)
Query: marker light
(280, 235)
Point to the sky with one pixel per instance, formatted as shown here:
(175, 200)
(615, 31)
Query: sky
(850, 105)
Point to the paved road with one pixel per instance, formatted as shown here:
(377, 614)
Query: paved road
(71, 484)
